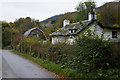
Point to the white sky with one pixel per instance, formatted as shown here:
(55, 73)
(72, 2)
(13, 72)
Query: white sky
(10, 10)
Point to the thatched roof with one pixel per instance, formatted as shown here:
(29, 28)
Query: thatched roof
(27, 33)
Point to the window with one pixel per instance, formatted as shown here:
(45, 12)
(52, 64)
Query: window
(114, 34)
(72, 31)
(75, 30)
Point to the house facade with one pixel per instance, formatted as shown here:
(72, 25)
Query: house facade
(69, 32)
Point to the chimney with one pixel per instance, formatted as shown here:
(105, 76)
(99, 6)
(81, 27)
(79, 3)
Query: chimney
(66, 22)
(92, 14)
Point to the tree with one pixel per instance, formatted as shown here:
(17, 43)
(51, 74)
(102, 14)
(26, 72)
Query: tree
(5, 25)
(5, 34)
(83, 9)
(8, 31)
(23, 24)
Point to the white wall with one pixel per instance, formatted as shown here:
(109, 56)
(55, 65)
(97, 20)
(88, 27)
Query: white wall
(98, 29)
(107, 32)
(58, 39)
(61, 39)
(70, 40)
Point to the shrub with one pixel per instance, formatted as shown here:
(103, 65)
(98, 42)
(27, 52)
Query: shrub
(61, 53)
(92, 54)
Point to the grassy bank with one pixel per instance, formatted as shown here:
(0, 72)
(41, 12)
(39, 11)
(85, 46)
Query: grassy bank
(56, 68)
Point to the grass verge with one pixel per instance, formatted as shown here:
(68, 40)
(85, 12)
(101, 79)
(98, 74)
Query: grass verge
(51, 66)
(70, 73)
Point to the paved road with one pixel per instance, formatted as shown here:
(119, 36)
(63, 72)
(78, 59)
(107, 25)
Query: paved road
(0, 64)
(14, 66)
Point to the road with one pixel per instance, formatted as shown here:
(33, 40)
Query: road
(0, 64)
(14, 66)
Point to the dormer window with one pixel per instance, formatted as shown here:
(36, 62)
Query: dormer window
(72, 30)
(114, 34)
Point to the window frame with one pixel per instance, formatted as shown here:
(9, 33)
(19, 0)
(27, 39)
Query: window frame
(114, 34)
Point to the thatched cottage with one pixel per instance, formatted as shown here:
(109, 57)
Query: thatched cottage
(69, 32)
(35, 32)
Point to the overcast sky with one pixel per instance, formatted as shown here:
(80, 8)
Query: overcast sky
(10, 10)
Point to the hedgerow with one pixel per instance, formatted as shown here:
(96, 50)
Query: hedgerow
(89, 55)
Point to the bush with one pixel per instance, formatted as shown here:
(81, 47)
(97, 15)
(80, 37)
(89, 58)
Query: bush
(61, 53)
(89, 55)
(92, 54)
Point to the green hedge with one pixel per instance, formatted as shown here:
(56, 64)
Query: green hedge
(88, 56)
(59, 53)
(92, 54)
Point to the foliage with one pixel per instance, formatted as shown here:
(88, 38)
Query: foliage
(61, 53)
(5, 25)
(83, 9)
(6, 38)
(57, 53)
(63, 70)
(7, 34)
(48, 30)
(68, 16)
(56, 18)
(84, 58)
(91, 57)
(51, 66)
(23, 24)
(57, 22)
(92, 54)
